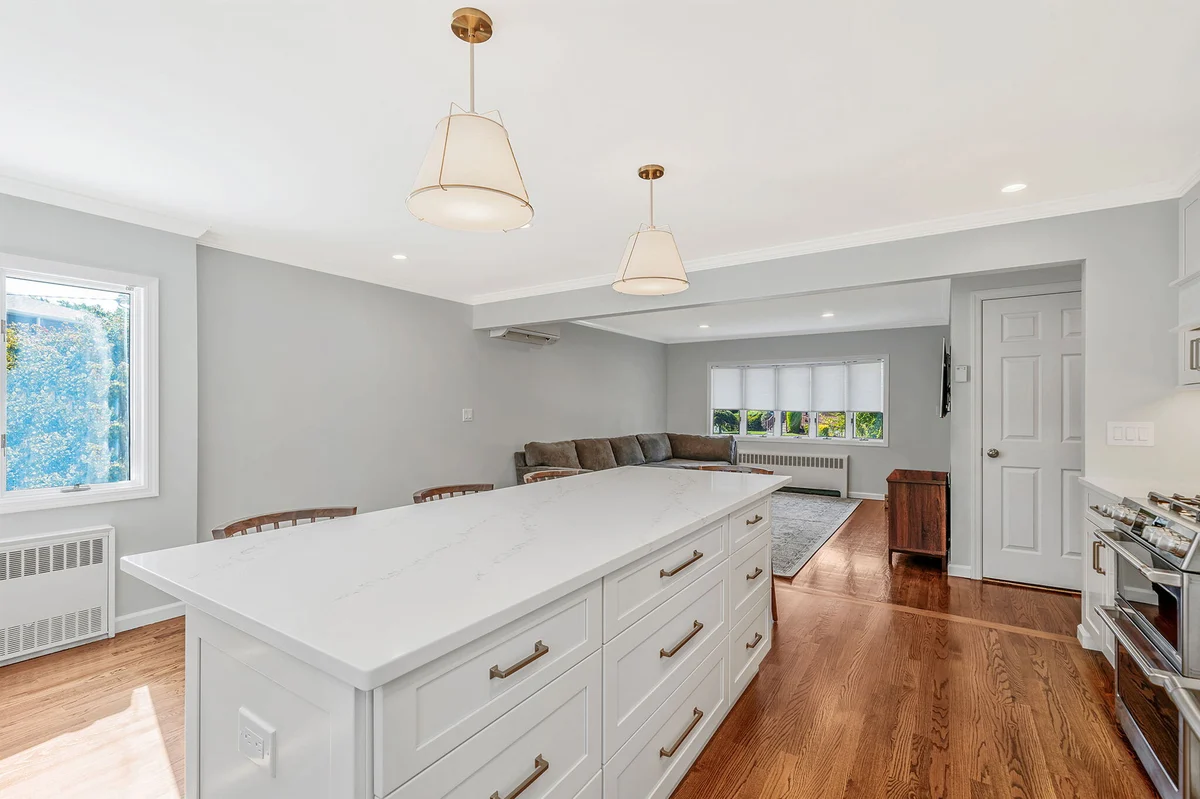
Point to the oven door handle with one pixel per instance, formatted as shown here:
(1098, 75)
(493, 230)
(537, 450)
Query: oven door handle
(1160, 576)
(1157, 676)
(1184, 699)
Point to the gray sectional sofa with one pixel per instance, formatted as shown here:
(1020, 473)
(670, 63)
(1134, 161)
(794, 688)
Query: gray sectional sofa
(669, 450)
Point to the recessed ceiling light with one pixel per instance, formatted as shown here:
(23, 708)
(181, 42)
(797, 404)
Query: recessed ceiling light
(1010, 188)
(704, 326)
(400, 257)
(827, 315)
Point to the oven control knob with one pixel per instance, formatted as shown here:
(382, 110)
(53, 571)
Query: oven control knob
(1175, 544)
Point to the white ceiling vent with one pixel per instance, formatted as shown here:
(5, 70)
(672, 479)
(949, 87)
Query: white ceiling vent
(525, 335)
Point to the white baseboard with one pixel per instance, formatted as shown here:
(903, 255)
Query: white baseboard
(1086, 640)
(958, 570)
(131, 621)
(864, 495)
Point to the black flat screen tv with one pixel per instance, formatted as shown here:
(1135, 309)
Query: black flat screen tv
(944, 386)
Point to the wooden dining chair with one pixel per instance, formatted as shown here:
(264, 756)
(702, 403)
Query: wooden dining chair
(285, 518)
(738, 469)
(551, 474)
(445, 492)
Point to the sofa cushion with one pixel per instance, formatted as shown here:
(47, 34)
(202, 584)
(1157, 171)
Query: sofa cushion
(655, 446)
(700, 448)
(560, 454)
(687, 463)
(595, 454)
(627, 451)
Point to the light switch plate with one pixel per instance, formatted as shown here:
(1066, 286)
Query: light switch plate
(468, 415)
(962, 374)
(1131, 434)
(256, 739)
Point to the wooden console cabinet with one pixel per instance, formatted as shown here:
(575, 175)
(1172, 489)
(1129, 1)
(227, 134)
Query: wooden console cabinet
(919, 513)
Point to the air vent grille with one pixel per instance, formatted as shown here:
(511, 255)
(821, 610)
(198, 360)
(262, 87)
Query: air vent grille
(18, 639)
(796, 461)
(32, 561)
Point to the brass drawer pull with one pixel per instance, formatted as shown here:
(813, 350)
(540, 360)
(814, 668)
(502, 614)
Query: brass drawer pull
(539, 649)
(696, 555)
(540, 766)
(697, 714)
(755, 520)
(1096, 567)
(670, 653)
(757, 639)
(757, 571)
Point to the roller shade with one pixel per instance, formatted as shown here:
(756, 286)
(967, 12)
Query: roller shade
(760, 388)
(727, 389)
(828, 387)
(865, 386)
(795, 388)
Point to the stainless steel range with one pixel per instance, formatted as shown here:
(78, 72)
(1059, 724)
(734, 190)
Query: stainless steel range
(1156, 624)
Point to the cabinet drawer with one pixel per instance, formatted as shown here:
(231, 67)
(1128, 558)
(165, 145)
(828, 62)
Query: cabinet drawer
(552, 739)
(646, 583)
(644, 664)
(749, 577)
(423, 715)
(745, 524)
(748, 645)
(655, 759)
(594, 789)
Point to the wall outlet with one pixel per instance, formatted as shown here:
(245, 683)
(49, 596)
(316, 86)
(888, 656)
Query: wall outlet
(256, 739)
(1131, 434)
(468, 415)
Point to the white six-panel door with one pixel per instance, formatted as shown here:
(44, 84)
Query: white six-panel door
(1033, 439)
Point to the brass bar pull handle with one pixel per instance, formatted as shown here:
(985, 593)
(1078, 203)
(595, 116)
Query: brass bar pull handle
(670, 653)
(696, 555)
(539, 649)
(755, 520)
(755, 642)
(757, 571)
(1195, 362)
(1096, 567)
(697, 714)
(540, 766)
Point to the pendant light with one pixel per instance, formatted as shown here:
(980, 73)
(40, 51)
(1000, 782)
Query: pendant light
(651, 264)
(470, 179)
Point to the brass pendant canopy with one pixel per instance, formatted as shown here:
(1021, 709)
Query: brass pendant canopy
(470, 179)
(651, 264)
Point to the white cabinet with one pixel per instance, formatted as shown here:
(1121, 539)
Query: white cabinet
(1099, 578)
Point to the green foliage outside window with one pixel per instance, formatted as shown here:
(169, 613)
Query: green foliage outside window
(760, 423)
(795, 423)
(868, 425)
(831, 424)
(727, 422)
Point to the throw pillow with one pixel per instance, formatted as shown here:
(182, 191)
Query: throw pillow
(627, 451)
(595, 454)
(561, 454)
(655, 446)
(701, 448)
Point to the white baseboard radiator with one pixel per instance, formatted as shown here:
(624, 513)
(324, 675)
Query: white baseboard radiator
(820, 472)
(56, 590)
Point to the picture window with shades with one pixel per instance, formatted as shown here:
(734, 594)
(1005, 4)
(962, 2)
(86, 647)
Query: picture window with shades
(841, 401)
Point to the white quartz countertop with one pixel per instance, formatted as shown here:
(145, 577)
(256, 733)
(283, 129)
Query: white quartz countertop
(368, 598)
(1119, 487)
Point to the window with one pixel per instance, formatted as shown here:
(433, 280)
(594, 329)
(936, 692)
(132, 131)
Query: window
(77, 394)
(828, 400)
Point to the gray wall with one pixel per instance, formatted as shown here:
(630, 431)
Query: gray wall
(319, 389)
(917, 438)
(57, 234)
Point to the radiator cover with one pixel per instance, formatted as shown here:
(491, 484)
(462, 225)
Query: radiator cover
(831, 472)
(56, 590)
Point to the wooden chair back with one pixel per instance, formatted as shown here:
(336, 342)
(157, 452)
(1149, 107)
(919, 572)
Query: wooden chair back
(445, 492)
(285, 518)
(551, 474)
(738, 469)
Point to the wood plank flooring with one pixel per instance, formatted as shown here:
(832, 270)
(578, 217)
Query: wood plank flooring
(883, 682)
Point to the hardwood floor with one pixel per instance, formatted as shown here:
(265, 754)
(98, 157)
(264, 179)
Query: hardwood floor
(883, 682)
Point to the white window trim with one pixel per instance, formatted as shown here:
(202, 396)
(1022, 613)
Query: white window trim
(143, 386)
(811, 438)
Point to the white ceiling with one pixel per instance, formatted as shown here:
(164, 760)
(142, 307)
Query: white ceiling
(875, 308)
(293, 130)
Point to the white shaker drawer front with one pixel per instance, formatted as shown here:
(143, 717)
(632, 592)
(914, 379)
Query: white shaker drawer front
(748, 645)
(745, 524)
(655, 759)
(594, 789)
(547, 747)
(749, 577)
(646, 583)
(423, 715)
(644, 664)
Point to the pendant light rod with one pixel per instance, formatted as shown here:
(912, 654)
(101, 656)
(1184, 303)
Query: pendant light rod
(473, 27)
(651, 172)
(472, 46)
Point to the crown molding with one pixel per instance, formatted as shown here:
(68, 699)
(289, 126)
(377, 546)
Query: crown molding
(670, 340)
(97, 207)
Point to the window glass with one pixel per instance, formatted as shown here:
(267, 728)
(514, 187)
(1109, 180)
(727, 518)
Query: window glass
(868, 425)
(795, 423)
(760, 423)
(831, 424)
(66, 385)
(727, 422)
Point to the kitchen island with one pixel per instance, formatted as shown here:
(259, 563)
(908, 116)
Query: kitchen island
(573, 638)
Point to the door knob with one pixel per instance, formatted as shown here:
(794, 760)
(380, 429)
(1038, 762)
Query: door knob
(993, 453)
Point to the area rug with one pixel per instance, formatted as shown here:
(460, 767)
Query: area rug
(800, 525)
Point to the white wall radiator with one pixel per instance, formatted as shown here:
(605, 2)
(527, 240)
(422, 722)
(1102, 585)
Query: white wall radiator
(806, 471)
(56, 591)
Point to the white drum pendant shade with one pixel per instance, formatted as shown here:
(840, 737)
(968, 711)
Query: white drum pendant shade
(651, 264)
(470, 179)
